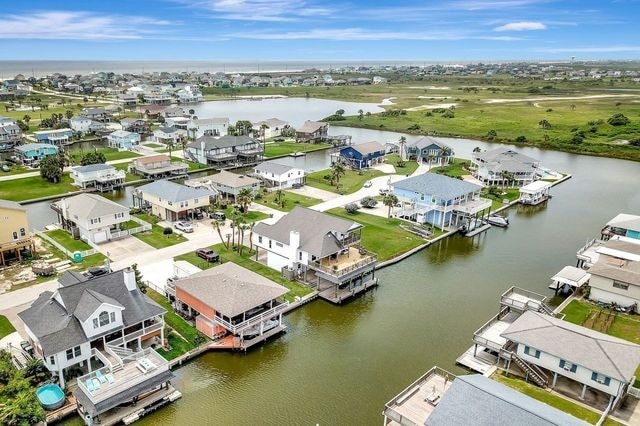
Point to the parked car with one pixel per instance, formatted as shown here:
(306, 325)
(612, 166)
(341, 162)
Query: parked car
(278, 139)
(368, 184)
(96, 272)
(184, 226)
(197, 214)
(384, 191)
(217, 216)
(297, 185)
(208, 255)
(6, 168)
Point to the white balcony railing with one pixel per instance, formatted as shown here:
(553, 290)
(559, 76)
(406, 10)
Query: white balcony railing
(266, 315)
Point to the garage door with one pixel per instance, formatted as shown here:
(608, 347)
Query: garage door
(100, 237)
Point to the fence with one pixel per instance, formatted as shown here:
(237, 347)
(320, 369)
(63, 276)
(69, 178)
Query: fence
(63, 249)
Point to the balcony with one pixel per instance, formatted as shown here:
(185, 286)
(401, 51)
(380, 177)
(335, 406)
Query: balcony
(158, 325)
(238, 327)
(350, 260)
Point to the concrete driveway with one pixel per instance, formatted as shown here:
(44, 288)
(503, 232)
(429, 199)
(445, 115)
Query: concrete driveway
(124, 248)
(312, 192)
(381, 182)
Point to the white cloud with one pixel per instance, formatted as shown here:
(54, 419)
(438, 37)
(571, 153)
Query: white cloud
(521, 26)
(359, 34)
(590, 49)
(57, 25)
(259, 10)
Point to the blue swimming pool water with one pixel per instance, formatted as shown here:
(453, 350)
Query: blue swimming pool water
(50, 396)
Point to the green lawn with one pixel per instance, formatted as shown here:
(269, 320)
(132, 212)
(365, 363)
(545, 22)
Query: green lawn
(17, 170)
(155, 238)
(283, 148)
(250, 217)
(288, 202)
(455, 169)
(130, 224)
(153, 145)
(34, 187)
(409, 167)
(110, 154)
(130, 177)
(295, 288)
(624, 326)
(349, 183)
(5, 327)
(179, 346)
(65, 239)
(510, 194)
(552, 399)
(381, 235)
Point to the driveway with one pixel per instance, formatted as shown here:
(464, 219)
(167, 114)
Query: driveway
(312, 192)
(381, 182)
(124, 248)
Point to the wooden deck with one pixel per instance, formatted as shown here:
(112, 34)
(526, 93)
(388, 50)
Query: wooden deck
(480, 363)
(343, 294)
(119, 414)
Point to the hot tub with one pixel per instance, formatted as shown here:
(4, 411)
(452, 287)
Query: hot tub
(51, 397)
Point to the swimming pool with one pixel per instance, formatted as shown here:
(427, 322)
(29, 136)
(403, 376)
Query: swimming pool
(50, 396)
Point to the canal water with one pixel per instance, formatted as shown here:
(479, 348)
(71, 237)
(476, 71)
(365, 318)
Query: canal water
(338, 365)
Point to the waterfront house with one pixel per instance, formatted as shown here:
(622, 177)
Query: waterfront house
(226, 184)
(32, 152)
(90, 217)
(626, 225)
(169, 135)
(225, 150)
(504, 166)
(15, 237)
(80, 124)
(10, 133)
(98, 325)
(123, 140)
(171, 201)
(535, 192)
(320, 249)
(135, 125)
(439, 398)
(279, 176)
(103, 177)
(571, 352)
(274, 128)
(232, 304)
(97, 114)
(157, 98)
(616, 249)
(430, 151)
(215, 126)
(158, 167)
(439, 200)
(173, 111)
(312, 131)
(616, 281)
(127, 100)
(189, 94)
(179, 122)
(363, 155)
(55, 137)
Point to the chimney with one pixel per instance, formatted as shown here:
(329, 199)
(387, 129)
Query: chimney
(294, 244)
(201, 145)
(129, 278)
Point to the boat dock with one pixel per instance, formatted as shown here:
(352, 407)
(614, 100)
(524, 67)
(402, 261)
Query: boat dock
(339, 295)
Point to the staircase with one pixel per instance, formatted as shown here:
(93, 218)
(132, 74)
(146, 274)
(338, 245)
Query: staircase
(545, 309)
(534, 373)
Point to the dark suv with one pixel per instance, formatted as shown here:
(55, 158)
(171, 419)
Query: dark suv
(217, 216)
(208, 254)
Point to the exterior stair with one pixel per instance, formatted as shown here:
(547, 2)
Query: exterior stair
(534, 373)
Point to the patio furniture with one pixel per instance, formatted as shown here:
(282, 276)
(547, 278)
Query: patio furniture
(96, 383)
(100, 377)
(110, 378)
(433, 398)
(89, 384)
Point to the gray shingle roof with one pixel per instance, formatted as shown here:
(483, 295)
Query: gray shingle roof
(271, 122)
(608, 355)
(174, 192)
(368, 147)
(57, 327)
(478, 400)
(626, 221)
(629, 272)
(209, 121)
(311, 126)
(231, 289)
(92, 168)
(425, 142)
(315, 230)
(505, 159)
(272, 167)
(29, 146)
(226, 141)
(230, 179)
(88, 206)
(90, 301)
(434, 184)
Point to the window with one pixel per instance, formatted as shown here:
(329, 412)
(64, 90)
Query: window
(52, 360)
(77, 351)
(69, 354)
(299, 255)
(532, 352)
(600, 378)
(278, 244)
(195, 201)
(112, 316)
(104, 318)
(567, 366)
(95, 220)
(260, 238)
(95, 323)
(23, 232)
(621, 286)
(15, 235)
(269, 243)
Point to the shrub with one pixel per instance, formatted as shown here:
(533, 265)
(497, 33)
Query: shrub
(368, 202)
(634, 142)
(351, 208)
(448, 114)
(618, 119)
(492, 134)
(549, 109)
(428, 114)
(521, 139)
(577, 139)
(414, 127)
(167, 231)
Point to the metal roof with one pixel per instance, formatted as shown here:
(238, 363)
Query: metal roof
(440, 186)
(173, 192)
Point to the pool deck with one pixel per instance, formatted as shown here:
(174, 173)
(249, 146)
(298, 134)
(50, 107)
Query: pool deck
(67, 409)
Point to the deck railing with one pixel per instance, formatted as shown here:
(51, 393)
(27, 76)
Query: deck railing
(477, 338)
(338, 272)
(266, 315)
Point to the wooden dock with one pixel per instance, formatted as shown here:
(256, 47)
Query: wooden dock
(480, 363)
(341, 295)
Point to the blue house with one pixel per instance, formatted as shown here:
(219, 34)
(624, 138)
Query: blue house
(363, 155)
(625, 225)
(31, 152)
(439, 200)
(429, 150)
(54, 137)
(123, 140)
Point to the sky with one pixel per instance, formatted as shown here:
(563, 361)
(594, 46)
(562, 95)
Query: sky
(258, 30)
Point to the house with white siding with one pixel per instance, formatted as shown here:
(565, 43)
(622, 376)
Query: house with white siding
(215, 126)
(504, 166)
(616, 281)
(280, 176)
(103, 177)
(123, 140)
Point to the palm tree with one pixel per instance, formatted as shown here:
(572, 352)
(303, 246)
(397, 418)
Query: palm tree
(544, 123)
(477, 149)
(360, 114)
(26, 118)
(244, 199)
(263, 133)
(337, 171)
(280, 197)
(389, 200)
(216, 224)
(402, 143)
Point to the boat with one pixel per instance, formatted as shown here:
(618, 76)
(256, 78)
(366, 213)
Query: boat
(255, 330)
(497, 220)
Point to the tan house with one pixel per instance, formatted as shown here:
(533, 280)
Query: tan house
(158, 167)
(14, 231)
(171, 201)
(615, 281)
